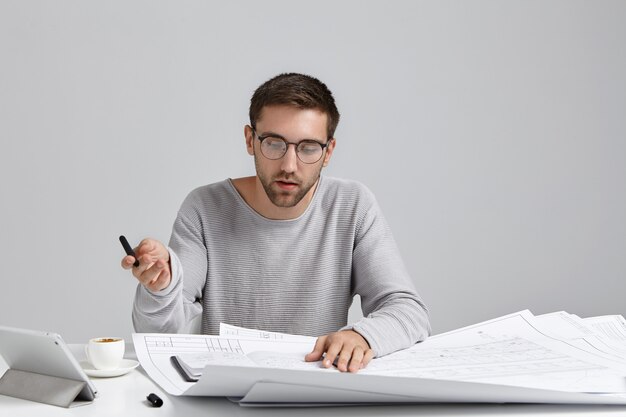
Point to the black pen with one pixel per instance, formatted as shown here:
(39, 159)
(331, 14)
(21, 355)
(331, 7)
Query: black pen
(129, 250)
(154, 400)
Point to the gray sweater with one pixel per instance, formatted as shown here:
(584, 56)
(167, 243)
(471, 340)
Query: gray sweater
(298, 276)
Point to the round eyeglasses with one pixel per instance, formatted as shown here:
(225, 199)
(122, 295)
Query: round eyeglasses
(308, 151)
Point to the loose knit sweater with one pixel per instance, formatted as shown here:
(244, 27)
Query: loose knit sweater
(232, 265)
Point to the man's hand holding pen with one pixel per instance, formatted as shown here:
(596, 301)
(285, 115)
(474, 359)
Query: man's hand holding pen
(154, 271)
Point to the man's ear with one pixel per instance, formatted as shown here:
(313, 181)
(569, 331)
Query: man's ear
(329, 151)
(249, 135)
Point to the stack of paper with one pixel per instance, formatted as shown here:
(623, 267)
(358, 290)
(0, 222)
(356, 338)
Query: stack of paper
(552, 358)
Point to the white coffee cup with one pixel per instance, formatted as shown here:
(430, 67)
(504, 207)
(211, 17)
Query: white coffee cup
(105, 352)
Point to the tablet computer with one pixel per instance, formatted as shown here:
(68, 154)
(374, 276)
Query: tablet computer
(42, 353)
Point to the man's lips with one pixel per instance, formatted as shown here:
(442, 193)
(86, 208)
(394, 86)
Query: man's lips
(286, 184)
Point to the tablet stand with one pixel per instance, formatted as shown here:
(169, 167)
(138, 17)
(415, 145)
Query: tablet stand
(45, 389)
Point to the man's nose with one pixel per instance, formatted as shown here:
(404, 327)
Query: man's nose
(290, 159)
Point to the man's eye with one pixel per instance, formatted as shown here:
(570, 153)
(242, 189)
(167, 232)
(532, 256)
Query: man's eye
(275, 143)
(309, 148)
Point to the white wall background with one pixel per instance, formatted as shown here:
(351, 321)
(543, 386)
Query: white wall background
(492, 132)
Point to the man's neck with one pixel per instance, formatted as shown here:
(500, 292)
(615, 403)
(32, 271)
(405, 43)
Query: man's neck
(253, 193)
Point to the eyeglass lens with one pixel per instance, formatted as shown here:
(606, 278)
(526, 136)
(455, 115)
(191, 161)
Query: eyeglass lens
(309, 151)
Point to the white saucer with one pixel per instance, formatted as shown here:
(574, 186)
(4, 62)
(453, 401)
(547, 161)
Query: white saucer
(125, 367)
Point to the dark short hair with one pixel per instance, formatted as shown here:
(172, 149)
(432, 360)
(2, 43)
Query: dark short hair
(298, 90)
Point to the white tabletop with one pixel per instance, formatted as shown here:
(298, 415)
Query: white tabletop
(126, 396)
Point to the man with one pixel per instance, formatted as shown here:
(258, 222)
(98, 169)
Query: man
(285, 250)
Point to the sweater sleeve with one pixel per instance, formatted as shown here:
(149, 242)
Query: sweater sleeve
(395, 316)
(172, 309)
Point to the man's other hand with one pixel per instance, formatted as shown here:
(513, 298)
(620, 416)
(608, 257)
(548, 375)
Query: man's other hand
(154, 270)
(348, 347)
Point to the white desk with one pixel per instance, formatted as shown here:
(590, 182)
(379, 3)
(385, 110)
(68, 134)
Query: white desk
(126, 396)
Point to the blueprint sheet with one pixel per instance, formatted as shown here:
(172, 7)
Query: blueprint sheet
(516, 349)
(519, 357)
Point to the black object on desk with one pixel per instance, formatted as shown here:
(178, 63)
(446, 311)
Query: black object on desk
(155, 400)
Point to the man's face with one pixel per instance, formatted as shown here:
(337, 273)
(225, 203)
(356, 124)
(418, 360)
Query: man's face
(288, 180)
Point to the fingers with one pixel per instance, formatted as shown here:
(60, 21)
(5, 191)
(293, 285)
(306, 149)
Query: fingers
(148, 250)
(348, 349)
(145, 247)
(318, 350)
(153, 248)
(154, 270)
(127, 262)
(163, 278)
(356, 360)
(148, 270)
(144, 253)
(151, 275)
(156, 276)
(332, 351)
(369, 355)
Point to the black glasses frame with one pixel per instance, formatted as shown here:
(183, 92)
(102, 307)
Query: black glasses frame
(287, 143)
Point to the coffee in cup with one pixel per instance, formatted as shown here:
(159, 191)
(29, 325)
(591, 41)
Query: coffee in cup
(105, 352)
